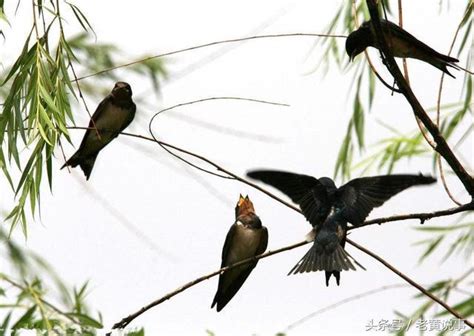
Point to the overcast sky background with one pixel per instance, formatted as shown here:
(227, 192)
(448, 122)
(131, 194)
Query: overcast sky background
(84, 232)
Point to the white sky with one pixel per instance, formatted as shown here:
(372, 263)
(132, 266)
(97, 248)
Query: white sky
(164, 201)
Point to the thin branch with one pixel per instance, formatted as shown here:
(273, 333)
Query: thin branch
(422, 216)
(405, 73)
(208, 45)
(413, 283)
(74, 74)
(367, 56)
(400, 23)
(195, 102)
(438, 112)
(441, 145)
(340, 303)
(126, 321)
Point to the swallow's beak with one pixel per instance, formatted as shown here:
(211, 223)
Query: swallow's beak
(244, 205)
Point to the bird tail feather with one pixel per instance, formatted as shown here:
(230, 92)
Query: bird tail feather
(332, 263)
(86, 164)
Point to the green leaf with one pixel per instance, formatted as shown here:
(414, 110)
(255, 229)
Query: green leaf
(430, 248)
(86, 320)
(140, 332)
(25, 320)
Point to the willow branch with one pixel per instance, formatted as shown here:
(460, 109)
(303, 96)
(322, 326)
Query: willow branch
(413, 283)
(126, 321)
(43, 301)
(441, 145)
(207, 45)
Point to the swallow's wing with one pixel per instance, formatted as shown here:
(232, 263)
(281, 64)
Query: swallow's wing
(228, 244)
(421, 48)
(131, 115)
(263, 241)
(304, 190)
(97, 114)
(358, 197)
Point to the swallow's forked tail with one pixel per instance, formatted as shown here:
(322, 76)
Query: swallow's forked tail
(333, 263)
(445, 61)
(86, 164)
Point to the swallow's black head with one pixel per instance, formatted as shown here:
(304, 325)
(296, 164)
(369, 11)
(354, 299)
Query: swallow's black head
(358, 41)
(122, 91)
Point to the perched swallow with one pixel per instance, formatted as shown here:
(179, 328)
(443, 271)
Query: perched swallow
(401, 43)
(328, 209)
(246, 238)
(111, 117)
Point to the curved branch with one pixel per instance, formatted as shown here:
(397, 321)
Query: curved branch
(438, 110)
(441, 145)
(207, 45)
(413, 283)
(195, 102)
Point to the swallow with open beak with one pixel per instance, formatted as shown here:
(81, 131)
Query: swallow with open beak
(246, 238)
(328, 209)
(401, 43)
(111, 117)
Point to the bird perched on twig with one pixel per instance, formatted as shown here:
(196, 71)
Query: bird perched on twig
(401, 44)
(111, 117)
(246, 238)
(329, 209)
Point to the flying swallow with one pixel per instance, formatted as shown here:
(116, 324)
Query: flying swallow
(328, 209)
(111, 117)
(246, 238)
(401, 43)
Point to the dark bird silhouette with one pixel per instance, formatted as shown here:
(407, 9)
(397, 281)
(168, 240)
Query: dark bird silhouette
(400, 42)
(246, 238)
(329, 209)
(111, 117)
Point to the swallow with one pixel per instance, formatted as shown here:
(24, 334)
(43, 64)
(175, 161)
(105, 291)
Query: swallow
(329, 209)
(246, 238)
(114, 113)
(401, 43)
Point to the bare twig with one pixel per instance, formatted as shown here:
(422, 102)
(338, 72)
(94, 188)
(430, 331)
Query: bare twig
(438, 111)
(405, 73)
(441, 145)
(208, 45)
(195, 102)
(413, 283)
(422, 216)
(126, 321)
(340, 303)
